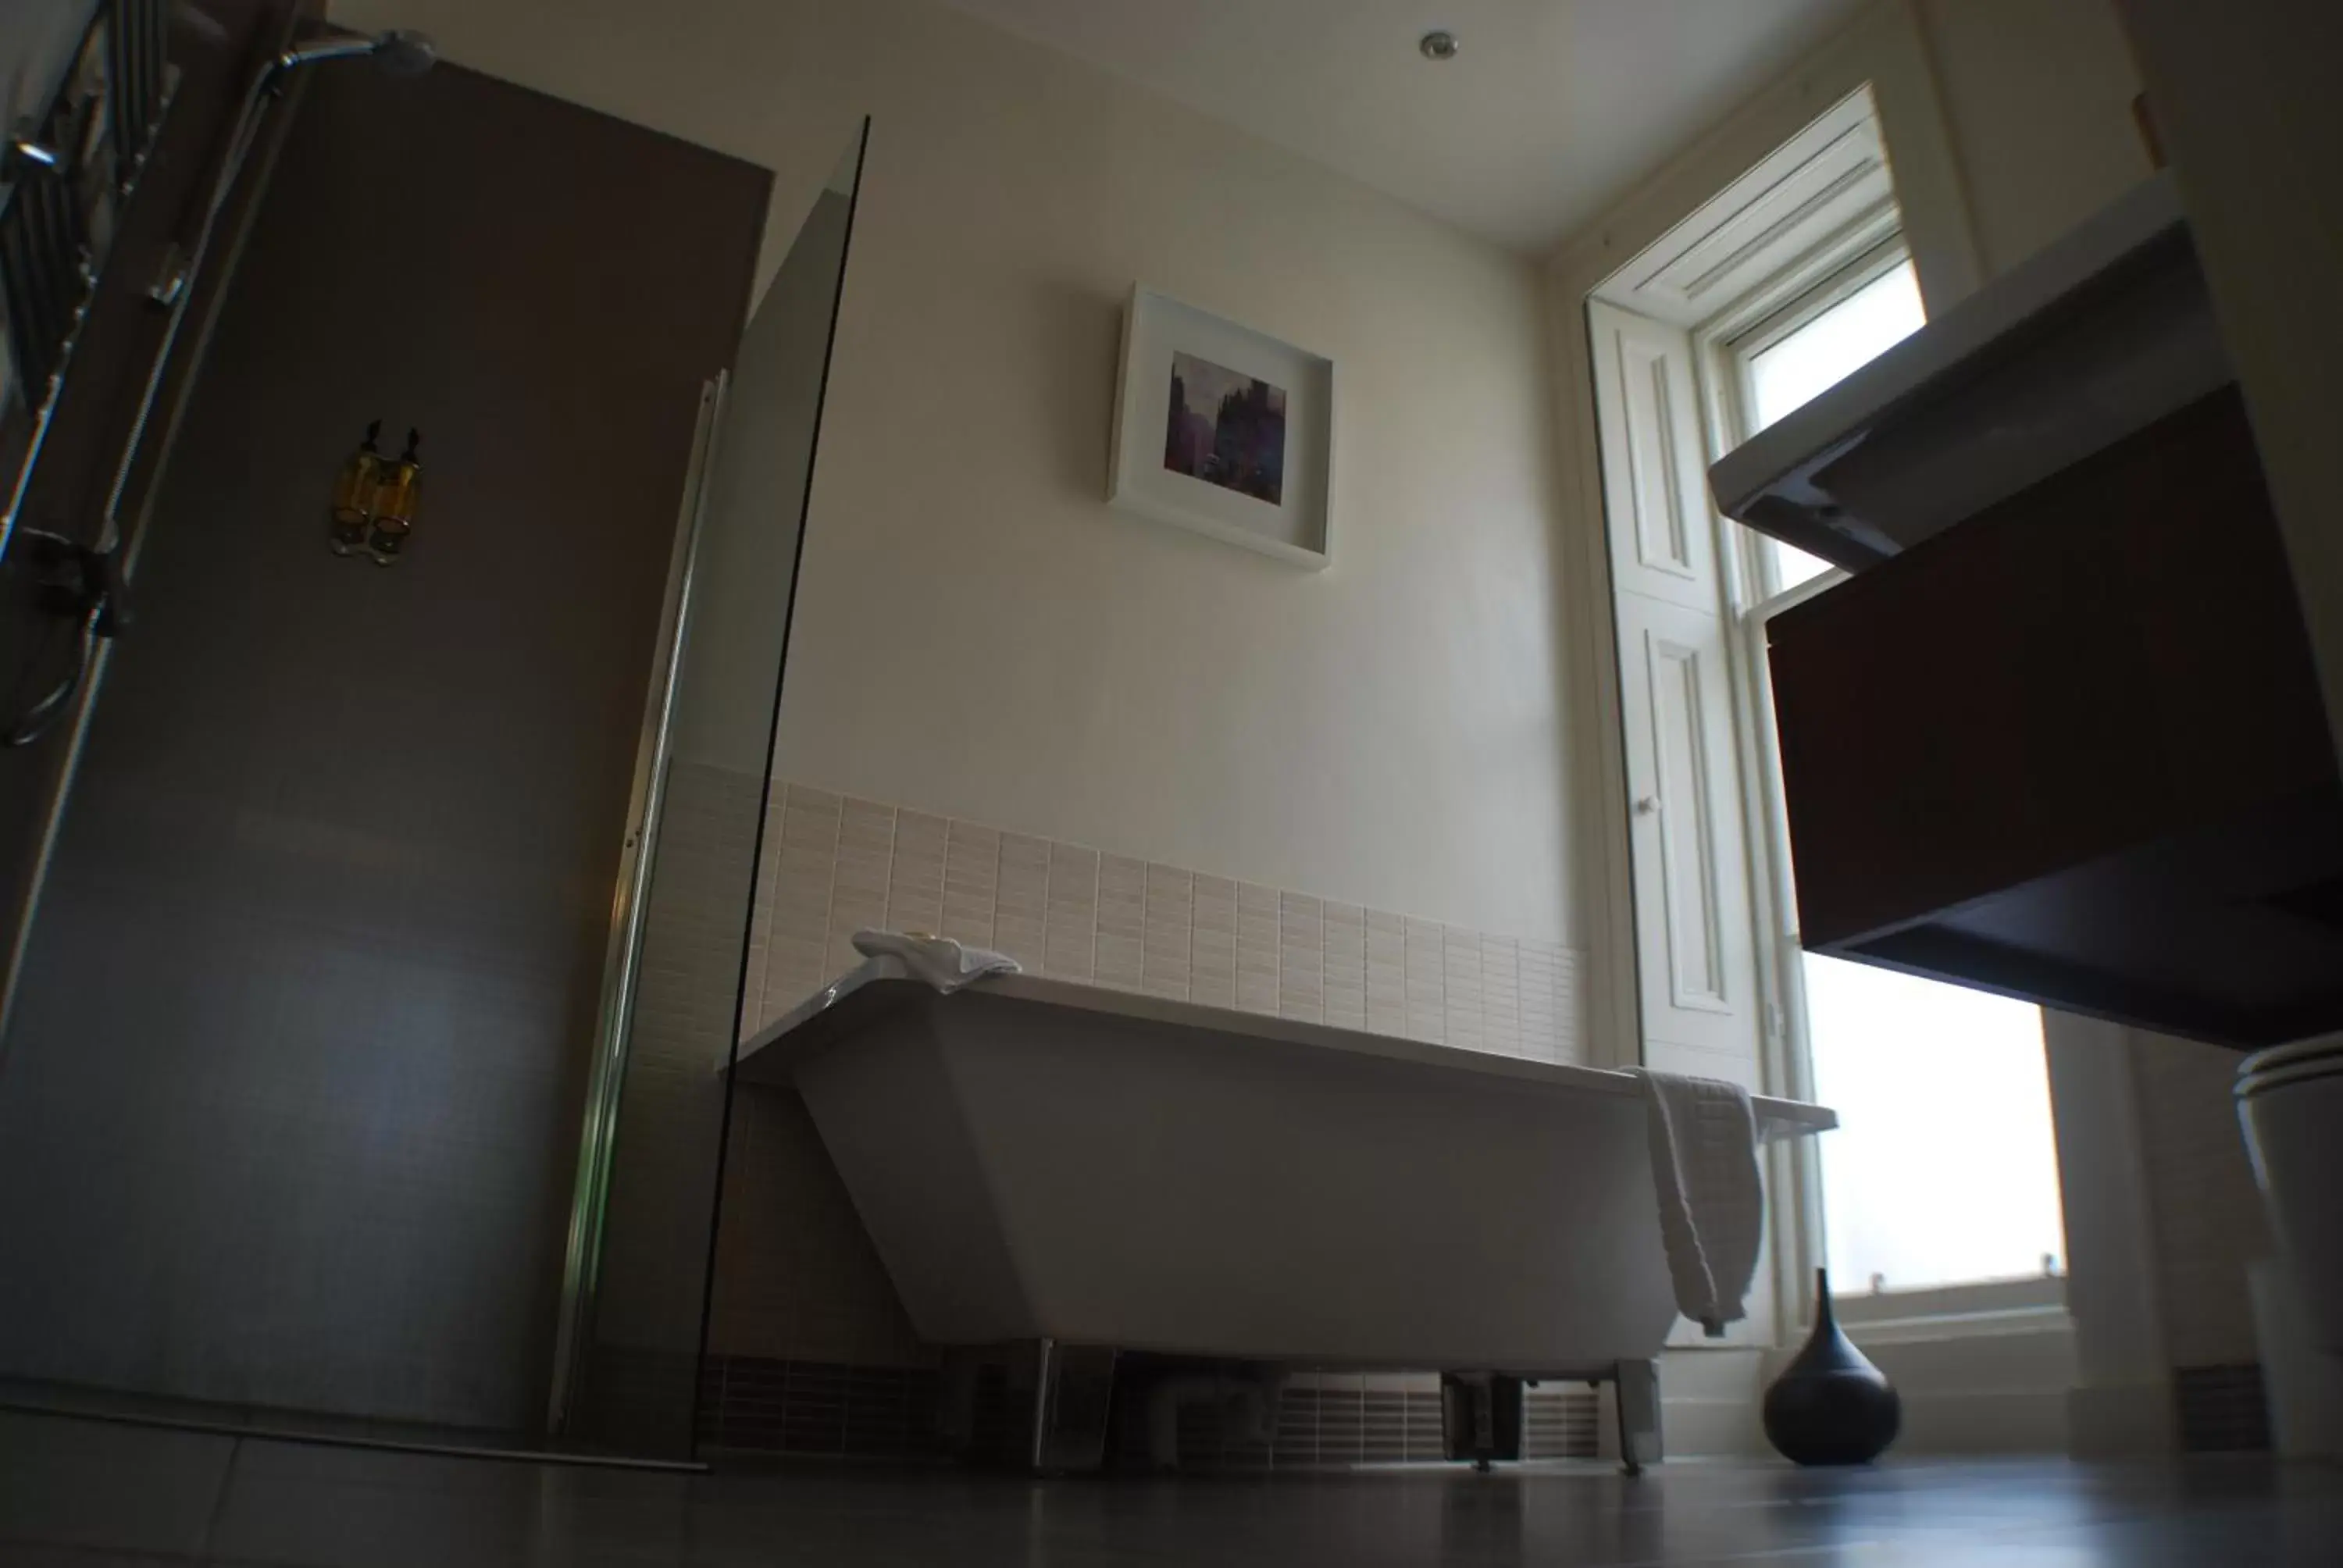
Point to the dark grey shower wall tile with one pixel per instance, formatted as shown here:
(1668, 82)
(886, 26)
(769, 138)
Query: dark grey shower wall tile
(86, 1557)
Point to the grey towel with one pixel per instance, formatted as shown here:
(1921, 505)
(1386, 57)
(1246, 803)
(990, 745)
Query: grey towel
(1703, 1139)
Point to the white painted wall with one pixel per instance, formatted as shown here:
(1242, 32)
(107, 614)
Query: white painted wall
(2209, 1224)
(2248, 101)
(2037, 96)
(979, 635)
(2245, 100)
(2121, 1399)
(754, 492)
(2162, 1220)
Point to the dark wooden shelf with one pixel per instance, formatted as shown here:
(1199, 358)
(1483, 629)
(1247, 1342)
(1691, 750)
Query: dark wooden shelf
(2071, 749)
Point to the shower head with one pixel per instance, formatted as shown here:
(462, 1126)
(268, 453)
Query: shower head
(398, 52)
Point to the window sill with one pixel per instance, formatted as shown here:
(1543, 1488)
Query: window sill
(1960, 1326)
(1990, 1308)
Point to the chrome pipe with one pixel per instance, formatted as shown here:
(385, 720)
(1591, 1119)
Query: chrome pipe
(398, 52)
(401, 53)
(321, 50)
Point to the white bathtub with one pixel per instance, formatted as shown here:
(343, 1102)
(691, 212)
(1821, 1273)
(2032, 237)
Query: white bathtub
(1048, 1163)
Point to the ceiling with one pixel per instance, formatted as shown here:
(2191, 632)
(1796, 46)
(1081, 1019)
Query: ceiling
(1550, 111)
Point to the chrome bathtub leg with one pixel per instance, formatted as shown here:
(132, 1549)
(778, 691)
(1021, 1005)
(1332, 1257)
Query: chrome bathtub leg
(1073, 1397)
(1035, 1405)
(1480, 1417)
(1045, 1377)
(1638, 1387)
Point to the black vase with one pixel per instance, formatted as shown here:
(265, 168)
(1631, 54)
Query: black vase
(1830, 1406)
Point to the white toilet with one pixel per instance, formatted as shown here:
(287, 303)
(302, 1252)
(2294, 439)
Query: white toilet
(2290, 1099)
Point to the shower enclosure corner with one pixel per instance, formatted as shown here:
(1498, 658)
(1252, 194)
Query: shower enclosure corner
(362, 1054)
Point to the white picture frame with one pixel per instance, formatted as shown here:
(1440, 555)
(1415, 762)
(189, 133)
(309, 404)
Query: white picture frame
(1257, 472)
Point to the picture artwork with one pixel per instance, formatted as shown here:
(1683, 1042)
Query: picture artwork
(1226, 428)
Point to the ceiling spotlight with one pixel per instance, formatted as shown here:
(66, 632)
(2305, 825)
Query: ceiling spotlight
(1439, 45)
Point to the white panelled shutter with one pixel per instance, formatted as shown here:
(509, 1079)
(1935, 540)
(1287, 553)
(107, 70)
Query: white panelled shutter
(1694, 940)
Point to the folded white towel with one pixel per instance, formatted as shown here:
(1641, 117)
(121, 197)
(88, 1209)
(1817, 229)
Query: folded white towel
(942, 962)
(1703, 1139)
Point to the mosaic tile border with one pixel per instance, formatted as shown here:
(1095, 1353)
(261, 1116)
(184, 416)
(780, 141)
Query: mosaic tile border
(834, 864)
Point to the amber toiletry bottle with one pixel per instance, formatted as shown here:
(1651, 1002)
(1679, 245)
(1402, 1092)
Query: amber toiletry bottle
(353, 509)
(394, 504)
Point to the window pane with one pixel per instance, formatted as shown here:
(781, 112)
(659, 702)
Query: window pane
(1944, 1170)
(1835, 344)
(1793, 565)
(1817, 355)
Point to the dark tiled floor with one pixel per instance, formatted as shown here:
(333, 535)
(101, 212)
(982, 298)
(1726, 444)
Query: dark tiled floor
(86, 1492)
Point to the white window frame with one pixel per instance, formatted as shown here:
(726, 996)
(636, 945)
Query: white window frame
(1723, 349)
(1773, 244)
(1883, 55)
(1744, 261)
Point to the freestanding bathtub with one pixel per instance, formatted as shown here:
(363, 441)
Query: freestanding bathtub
(1087, 1170)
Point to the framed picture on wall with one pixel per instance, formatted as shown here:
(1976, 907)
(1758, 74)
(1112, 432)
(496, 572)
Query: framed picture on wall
(1223, 429)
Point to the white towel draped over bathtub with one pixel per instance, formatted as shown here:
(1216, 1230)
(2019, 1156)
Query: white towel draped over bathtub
(1704, 1138)
(940, 961)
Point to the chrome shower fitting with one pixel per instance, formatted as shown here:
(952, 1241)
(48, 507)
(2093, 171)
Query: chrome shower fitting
(397, 53)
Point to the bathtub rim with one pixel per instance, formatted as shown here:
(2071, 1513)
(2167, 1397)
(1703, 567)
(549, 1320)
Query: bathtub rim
(881, 986)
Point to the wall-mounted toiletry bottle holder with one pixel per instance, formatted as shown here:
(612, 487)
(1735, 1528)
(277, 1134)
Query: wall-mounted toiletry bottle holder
(374, 502)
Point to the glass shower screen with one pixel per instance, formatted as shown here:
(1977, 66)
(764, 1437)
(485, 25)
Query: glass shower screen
(643, 1228)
